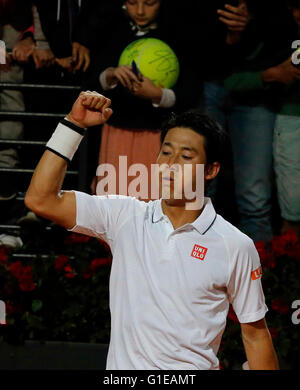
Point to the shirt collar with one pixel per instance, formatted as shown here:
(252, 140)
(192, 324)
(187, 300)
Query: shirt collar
(140, 31)
(157, 212)
(202, 223)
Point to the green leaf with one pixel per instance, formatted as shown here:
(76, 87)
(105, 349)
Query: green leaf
(36, 305)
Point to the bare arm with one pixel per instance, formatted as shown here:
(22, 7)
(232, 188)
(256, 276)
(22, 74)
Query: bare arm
(285, 73)
(258, 346)
(43, 195)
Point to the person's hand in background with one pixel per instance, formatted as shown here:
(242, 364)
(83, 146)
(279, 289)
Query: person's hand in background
(43, 58)
(285, 73)
(122, 74)
(23, 50)
(147, 90)
(7, 66)
(80, 56)
(236, 19)
(66, 63)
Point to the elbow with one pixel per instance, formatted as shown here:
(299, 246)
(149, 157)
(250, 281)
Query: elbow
(34, 204)
(30, 202)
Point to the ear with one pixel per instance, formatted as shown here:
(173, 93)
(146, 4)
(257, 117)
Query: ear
(211, 170)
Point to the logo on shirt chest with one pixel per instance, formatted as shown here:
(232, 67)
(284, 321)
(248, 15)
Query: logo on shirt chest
(199, 252)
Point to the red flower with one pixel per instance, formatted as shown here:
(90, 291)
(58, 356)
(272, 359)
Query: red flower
(3, 256)
(260, 246)
(69, 273)
(87, 274)
(286, 244)
(232, 316)
(9, 308)
(273, 332)
(105, 245)
(266, 256)
(60, 263)
(26, 272)
(280, 306)
(27, 285)
(96, 263)
(25, 279)
(76, 238)
(16, 269)
(289, 237)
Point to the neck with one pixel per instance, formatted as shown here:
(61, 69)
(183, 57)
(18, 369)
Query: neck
(177, 213)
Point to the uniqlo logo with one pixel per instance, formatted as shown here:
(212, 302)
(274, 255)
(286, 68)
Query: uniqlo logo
(256, 274)
(199, 252)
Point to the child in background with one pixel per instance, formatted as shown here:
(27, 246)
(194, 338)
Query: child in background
(133, 130)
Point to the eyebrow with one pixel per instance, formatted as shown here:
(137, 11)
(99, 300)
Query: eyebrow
(187, 148)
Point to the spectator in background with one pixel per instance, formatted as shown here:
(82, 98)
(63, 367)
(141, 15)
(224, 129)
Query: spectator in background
(15, 18)
(67, 31)
(42, 55)
(243, 100)
(139, 105)
(287, 131)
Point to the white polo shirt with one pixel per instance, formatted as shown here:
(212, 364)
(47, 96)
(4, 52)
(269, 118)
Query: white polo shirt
(170, 289)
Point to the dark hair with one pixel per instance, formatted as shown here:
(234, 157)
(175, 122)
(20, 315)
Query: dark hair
(215, 136)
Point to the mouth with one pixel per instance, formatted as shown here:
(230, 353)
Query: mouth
(138, 20)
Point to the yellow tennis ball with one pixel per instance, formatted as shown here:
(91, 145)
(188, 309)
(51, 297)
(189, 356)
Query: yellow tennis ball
(155, 60)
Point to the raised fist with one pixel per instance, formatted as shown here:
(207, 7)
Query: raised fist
(90, 109)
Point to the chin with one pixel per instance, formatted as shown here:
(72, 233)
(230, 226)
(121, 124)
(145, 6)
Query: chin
(174, 202)
(142, 24)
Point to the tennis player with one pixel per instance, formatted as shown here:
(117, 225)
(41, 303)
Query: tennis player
(174, 271)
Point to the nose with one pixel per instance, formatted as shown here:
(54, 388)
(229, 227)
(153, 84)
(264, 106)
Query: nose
(140, 9)
(174, 165)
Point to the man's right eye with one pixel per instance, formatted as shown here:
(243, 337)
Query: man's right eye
(165, 153)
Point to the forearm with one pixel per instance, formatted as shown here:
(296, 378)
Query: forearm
(43, 195)
(269, 75)
(260, 353)
(47, 179)
(39, 36)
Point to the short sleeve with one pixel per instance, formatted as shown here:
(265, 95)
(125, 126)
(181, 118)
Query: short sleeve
(244, 288)
(101, 216)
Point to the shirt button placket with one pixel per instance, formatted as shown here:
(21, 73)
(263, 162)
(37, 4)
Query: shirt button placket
(169, 243)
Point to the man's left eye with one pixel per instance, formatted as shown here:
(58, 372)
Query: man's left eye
(187, 157)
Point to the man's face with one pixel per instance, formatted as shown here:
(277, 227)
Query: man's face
(296, 15)
(143, 12)
(181, 147)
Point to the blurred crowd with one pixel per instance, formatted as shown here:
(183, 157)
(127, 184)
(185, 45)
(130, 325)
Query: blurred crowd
(237, 62)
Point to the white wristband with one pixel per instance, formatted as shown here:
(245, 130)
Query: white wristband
(168, 99)
(65, 139)
(104, 83)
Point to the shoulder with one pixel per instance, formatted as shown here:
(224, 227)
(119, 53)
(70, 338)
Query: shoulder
(235, 240)
(242, 255)
(122, 205)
